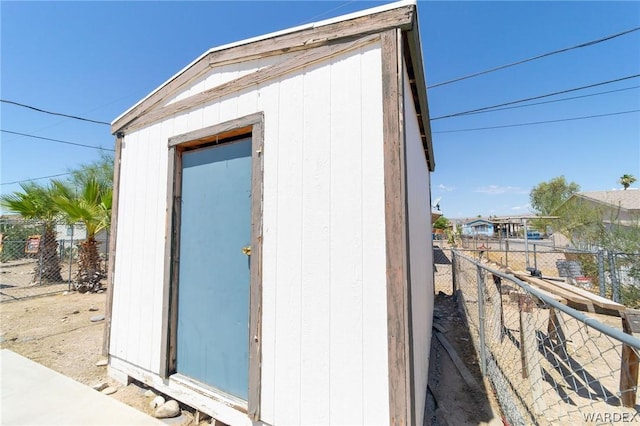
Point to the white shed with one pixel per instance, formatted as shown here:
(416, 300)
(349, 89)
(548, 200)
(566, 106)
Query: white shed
(271, 243)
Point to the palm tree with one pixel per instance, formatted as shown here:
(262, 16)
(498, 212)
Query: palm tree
(91, 206)
(626, 180)
(37, 202)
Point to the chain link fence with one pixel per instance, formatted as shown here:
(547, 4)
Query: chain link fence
(548, 363)
(38, 258)
(608, 274)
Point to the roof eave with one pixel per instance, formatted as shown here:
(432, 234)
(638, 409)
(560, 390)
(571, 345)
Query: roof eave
(419, 85)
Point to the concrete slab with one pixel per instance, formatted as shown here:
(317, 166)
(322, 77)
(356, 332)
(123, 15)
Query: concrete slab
(31, 394)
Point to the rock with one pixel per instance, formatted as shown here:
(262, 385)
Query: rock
(157, 402)
(167, 410)
(110, 390)
(102, 363)
(75, 312)
(100, 386)
(181, 420)
(149, 393)
(97, 318)
(93, 309)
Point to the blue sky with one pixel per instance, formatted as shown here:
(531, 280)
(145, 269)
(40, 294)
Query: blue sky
(96, 59)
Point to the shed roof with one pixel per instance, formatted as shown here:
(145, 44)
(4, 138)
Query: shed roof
(399, 15)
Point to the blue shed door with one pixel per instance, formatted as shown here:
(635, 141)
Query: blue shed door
(214, 280)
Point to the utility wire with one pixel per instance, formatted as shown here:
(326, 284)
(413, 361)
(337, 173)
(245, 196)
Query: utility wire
(37, 178)
(56, 140)
(533, 98)
(555, 100)
(309, 20)
(566, 49)
(538, 122)
(55, 113)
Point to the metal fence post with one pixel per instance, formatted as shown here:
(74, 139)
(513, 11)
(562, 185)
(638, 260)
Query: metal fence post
(615, 284)
(506, 252)
(70, 257)
(601, 279)
(483, 355)
(454, 284)
(41, 252)
(535, 257)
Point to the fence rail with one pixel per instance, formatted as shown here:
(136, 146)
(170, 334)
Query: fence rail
(609, 274)
(548, 363)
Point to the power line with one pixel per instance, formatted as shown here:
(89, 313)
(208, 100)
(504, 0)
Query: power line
(309, 20)
(56, 140)
(534, 97)
(566, 49)
(555, 100)
(37, 178)
(55, 113)
(538, 122)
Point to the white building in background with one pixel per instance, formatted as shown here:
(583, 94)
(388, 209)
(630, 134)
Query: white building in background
(71, 235)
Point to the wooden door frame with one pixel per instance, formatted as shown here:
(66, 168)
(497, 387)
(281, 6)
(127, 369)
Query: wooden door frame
(251, 126)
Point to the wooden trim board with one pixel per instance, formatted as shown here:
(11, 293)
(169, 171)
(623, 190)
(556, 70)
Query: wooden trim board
(106, 338)
(569, 296)
(593, 299)
(251, 125)
(260, 76)
(457, 361)
(395, 231)
(255, 299)
(171, 253)
(401, 17)
(407, 258)
(628, 368)
(199, 398)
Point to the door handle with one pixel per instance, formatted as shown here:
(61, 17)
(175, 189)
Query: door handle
(246, 250)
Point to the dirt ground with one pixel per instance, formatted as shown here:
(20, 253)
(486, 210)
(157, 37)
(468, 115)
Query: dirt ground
(451, 399)
(55, 330)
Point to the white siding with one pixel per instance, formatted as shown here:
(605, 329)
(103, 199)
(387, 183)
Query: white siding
(420, 250)
(375, 405)
(346, 287)
(140, 252)
(324, 348)
(316, 246)
(224, 74)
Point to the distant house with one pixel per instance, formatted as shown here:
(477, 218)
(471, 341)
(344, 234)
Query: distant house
(66, 235)
(617, 207)
(477, 227)
(70, 235)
